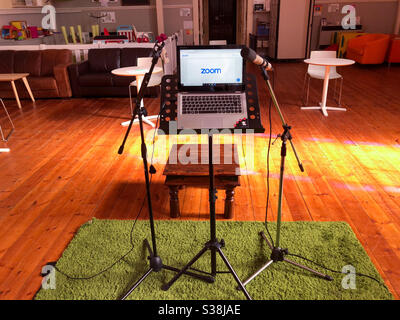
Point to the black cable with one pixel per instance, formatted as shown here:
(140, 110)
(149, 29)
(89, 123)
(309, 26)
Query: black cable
(133, 226)
(334, 271)
(115, 262)
(248, 180)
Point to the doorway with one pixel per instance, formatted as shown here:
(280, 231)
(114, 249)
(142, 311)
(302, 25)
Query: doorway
(222, 20)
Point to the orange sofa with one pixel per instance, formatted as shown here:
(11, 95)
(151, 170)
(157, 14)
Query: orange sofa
(368, 49)
(393, 54)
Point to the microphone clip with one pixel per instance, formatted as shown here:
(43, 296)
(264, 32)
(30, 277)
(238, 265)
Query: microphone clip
(264, 72)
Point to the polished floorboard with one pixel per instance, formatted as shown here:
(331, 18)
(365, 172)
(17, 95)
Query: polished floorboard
(64, 169)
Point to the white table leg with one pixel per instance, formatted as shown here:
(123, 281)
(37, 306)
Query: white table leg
(28, 88)
(325, 91)
(139, 80)
(16, 94)
(322, 106)
(145, 119)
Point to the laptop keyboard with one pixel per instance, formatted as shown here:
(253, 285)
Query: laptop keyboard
(203, 104)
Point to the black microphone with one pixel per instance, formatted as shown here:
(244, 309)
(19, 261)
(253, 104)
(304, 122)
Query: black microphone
(250, 55)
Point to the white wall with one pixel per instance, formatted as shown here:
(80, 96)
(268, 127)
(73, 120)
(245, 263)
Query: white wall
(5, 4)
(377, 16)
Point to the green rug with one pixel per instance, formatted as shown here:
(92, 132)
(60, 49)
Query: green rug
(100, 242)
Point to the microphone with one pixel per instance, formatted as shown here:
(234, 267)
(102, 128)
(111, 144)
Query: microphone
(250, 55)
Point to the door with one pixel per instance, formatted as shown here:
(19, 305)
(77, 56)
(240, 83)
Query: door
(273, 31)
(293, 29)
(222, 20)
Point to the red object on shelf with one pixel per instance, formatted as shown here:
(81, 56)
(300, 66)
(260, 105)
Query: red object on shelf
(162, 37)
(142, 39)
(34, 32)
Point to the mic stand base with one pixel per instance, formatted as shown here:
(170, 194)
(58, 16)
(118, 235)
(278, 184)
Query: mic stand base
(156, 265)
(213, 245)
(278, 255)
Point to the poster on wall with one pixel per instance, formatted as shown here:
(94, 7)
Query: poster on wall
(317, 10)
(108, 17)
(333, 7)
(184, 12)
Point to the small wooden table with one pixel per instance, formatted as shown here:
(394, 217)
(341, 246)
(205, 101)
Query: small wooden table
(16, 76)
(188, 166)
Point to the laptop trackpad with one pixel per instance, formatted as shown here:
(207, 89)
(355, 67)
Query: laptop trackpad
(212, 123)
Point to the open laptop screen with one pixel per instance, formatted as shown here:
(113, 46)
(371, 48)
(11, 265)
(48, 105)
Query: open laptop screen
(210, 68)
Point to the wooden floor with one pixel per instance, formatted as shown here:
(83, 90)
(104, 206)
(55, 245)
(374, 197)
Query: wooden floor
(63, 170)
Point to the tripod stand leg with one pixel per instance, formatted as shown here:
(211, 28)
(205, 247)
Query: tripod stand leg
(137, 283)
(166, 286)
(241, 286)
(265, 266)
(322, 275)
(194, 275)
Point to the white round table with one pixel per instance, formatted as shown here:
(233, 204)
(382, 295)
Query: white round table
(327, 63)
(139, 72)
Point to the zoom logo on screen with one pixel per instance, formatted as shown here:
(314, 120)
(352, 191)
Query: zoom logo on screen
(210, 70)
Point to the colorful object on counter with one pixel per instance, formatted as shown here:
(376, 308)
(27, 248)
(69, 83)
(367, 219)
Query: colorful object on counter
(95, 30)
(33, 31)
(145, 37)
(64, 32)
(142, 39)
(110, 39)
(73, 35)
(128, 31)
(9, 32)
(21, 26)
(80, 33)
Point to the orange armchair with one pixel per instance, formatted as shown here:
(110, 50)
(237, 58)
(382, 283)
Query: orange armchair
(393, 54)
(368, 49)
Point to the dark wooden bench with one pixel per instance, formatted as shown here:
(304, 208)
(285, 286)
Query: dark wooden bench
(188, 166)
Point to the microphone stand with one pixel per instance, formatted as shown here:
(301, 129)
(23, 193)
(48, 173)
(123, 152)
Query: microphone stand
(278, 254)
(156, 264)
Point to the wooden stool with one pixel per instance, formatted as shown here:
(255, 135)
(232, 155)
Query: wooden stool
(188, 166)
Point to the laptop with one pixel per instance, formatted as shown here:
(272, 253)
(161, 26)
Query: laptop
(211, 87)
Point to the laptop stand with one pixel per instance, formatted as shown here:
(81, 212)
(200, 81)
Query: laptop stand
(169, 90)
